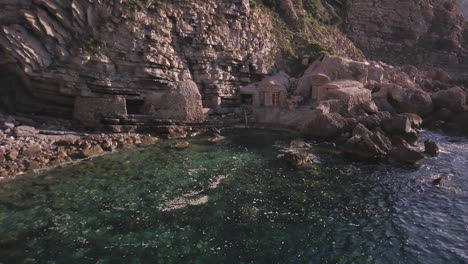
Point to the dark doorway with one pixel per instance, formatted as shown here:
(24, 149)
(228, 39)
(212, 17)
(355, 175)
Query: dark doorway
(134, 106)
(247, 99)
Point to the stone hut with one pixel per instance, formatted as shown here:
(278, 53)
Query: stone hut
(271, 92)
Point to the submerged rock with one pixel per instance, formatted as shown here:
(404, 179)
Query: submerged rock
(148, 140)
(182, 145)
(297, 158)
(405, 154)
(90, 151)
(299, 144)
(441, 180)
(216, 138)
(431, 148)
(62, 157)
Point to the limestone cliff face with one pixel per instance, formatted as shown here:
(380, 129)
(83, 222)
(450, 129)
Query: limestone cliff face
(116, 61)
(420, 32)
(463, 7)
(65, 51)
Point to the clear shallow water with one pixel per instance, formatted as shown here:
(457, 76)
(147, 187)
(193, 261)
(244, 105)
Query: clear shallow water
(237, 202)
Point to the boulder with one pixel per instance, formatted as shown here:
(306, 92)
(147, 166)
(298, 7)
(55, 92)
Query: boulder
(216, 138)
(437, 74)
(13, 154)
(462, 121)
(401, 125)
(175, 131)
(351, 95)
(148, 140)
(375, 120)
(9, 125)
(410, 100)
(34, 165)
(441, 180)
(431, 148)
(443, 114)
(182, 145)
(415, 120)
(299, 144)
(405, 154)
(90, 151)
(325, 125)
(338, 68)
(25, 131)
(298, 158)
(109, 145)
(367, 144)
(61, 157)
(32, 151)
(380, 97)
(375, 72)
(2, 158)
(453, 99)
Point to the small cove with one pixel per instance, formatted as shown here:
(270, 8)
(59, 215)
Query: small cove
(237, 201)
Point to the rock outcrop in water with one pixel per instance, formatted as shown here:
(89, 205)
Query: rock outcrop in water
(372, 109)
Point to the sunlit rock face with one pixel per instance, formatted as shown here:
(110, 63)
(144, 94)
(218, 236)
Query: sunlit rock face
(421, 33)
(463, 7)
(55, 54)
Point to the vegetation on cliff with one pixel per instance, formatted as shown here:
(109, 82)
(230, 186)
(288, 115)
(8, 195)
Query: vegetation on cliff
(305, 30)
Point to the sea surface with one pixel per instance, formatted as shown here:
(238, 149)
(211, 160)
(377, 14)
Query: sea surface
(238, 201)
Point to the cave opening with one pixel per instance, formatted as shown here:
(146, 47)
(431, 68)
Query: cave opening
(19, 94)
(134, 106)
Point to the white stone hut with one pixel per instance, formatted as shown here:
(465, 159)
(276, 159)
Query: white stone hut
(271, 92)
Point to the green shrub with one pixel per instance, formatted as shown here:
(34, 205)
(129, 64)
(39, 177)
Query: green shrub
(448, 5)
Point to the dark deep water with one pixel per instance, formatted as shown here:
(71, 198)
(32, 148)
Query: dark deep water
(246, 206)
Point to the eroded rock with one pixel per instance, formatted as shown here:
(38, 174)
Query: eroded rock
(368, 144)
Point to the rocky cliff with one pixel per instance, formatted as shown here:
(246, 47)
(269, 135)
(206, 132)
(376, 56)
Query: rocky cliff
(422, 33)
(57, 53)
(139, 61)
(463, 7)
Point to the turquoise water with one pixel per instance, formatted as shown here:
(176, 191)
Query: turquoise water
(237, 201)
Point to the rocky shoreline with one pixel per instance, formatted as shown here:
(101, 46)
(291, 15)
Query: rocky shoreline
(27, 145)
(370, 110)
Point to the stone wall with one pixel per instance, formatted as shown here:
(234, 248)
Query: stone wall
(90, 110)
